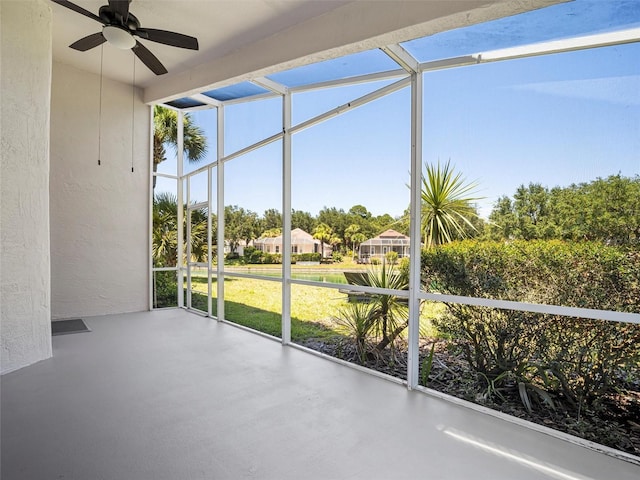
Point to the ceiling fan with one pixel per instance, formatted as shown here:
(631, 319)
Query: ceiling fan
(119, 28)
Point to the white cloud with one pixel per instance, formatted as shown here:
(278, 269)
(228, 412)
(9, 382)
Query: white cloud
(618, 90)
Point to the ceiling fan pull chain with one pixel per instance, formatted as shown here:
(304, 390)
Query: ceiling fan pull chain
(100, 107)
(133, 109)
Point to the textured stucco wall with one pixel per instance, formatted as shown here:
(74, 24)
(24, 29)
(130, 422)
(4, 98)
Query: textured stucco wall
(99, 214)
(25, 52)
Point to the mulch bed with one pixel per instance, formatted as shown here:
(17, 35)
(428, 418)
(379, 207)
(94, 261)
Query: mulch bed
(615, 425)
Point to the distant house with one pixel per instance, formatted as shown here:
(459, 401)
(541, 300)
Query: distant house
(378, 247)
(241, 245)
(301, 242)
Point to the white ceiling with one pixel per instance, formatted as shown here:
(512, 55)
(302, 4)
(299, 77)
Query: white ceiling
(241, 38)
(220, 26)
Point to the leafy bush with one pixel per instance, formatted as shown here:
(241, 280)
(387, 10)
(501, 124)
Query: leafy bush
(579, 360)
(306, 257)
(359, 319)
(165, 289)
(387, 315)
(337, 257)
(403, 266)
(391, 257)
(254, 256)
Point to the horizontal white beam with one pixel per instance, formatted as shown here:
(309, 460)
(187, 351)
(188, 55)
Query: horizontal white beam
(252, 277)
(358, 79)
(200, 97)
(358, 102)
(165, 175)
(557, 46)
(251, 148)
(608, 315)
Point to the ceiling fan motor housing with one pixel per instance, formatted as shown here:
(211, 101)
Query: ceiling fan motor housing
(110, 17)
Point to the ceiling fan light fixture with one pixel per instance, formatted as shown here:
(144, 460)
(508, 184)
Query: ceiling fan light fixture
(118, 37)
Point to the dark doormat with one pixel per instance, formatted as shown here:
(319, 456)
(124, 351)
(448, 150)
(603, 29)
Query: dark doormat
(65, 327)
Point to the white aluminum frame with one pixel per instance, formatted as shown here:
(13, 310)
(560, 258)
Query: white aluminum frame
(410, 74)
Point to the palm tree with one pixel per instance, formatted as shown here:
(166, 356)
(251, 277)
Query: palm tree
(351, 231)
(165, 132)
(165, 231)
(446, 205)
(388, 315)
(324, 233)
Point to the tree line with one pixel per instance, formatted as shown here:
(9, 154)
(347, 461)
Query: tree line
(605, 209)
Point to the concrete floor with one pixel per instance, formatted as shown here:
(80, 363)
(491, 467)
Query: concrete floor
(171, 395)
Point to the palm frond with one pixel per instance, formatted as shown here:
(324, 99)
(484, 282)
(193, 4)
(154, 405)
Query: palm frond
(446, 204)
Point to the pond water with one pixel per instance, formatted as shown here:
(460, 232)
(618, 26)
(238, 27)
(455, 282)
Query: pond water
(320, 277)
(314, 276)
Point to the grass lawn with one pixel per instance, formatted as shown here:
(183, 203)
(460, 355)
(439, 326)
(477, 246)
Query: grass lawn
(257, 304)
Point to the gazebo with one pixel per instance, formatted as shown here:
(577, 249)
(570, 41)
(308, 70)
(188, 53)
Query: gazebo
(378, 247)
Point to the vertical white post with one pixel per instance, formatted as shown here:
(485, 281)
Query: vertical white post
(220, 210)
(180, 201)
(209, 240)
(286, 219)
(151, 277)
(413, 361)
(188, 243)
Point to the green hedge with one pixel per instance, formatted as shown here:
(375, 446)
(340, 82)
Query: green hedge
(254, 256)
(577, 361)
(305, 257)
(165, 289)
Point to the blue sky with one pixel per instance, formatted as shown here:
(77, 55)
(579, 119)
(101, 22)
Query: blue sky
(555, 120)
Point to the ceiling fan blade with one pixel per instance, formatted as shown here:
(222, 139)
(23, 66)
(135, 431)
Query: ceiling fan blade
(149, 59)
(120, 7)
(88, 42)
(168, 38)
(80, 10)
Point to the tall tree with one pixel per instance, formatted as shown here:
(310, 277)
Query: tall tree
(357, 239)
(272, 219)
(446, 205)
(502, 220)
(302, 220)
(239, 224)
(351, 231)
(165, 231)
(360, 211)
(324, 233)
(336, 218)
(165, 132)
(531, 206)
(605, 209)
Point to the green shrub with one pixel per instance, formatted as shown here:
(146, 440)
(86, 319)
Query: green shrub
(337, 257)
(256, 257)
(165, 289)
(307, 257)
(403, 266)
(391, 257)
(231, 256)
(577, 359)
